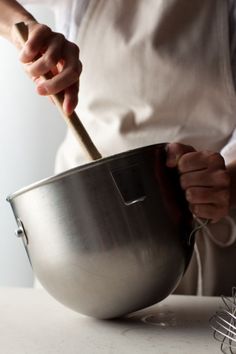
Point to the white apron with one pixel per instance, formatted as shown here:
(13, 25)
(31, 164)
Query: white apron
(158, 71)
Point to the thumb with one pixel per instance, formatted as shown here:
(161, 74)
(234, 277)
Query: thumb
(174, 153)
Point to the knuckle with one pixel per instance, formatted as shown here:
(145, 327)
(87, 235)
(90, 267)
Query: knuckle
(74, 48)
(50, 60)
(73, 74)
(41, 31)
(59, 36)
(44, 29)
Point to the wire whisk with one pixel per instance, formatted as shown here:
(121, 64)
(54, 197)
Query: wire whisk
(224, 324)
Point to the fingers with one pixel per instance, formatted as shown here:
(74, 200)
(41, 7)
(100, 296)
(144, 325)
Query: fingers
(204, 178)
(37, 39)
(70, 98)
(200, 160)
(68, 75)
(53, 49)
(47, 51)
(207, 193)
(210, 212)
(198, 195)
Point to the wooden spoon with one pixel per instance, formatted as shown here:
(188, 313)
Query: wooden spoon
(72, 120)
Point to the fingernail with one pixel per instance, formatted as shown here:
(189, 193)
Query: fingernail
(188, 196)
(42, 90)
(69, 105)
(68, 110)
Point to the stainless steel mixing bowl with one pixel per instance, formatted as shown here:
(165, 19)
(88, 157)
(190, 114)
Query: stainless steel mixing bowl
(109, 237)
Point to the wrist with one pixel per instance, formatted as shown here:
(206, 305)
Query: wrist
(12, 12)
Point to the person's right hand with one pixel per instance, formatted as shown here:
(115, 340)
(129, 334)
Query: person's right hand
(46, 51)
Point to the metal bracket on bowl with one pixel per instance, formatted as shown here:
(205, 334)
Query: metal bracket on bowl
(20, 233)
(129, 184)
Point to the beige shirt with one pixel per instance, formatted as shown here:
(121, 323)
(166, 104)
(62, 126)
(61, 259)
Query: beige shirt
(160, 71)
(70, 13)
(144, 81)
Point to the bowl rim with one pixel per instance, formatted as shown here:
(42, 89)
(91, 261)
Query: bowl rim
(83, 167)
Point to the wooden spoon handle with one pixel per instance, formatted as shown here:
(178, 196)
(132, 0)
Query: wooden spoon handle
(72, 120)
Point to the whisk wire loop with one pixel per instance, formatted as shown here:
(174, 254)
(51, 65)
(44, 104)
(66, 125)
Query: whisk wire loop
(224, 324)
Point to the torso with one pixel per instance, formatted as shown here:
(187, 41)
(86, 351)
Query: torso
(154, 74)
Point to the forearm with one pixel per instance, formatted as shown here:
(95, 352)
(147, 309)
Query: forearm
(11, 12)
(232, 172)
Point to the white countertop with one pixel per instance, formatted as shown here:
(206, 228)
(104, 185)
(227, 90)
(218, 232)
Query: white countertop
(32, 322)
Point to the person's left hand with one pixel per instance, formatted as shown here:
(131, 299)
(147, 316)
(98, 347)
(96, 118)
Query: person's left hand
(204, 178)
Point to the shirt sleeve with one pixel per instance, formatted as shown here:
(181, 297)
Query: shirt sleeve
(229, 151)
(232, 36)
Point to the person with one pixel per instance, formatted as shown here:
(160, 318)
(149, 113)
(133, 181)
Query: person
(152, 72)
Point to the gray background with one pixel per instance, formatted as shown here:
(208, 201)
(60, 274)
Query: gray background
(30, 133)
